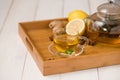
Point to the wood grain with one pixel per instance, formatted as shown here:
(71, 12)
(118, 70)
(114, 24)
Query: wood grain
(38, 40)
(12, 50)
(47, 9)
(16, 62)
(70, 5)
(5, 6)
(105, 72)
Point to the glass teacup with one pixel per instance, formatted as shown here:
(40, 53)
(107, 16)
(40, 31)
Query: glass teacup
(65, 45)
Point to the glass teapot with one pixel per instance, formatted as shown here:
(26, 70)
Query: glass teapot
(104, 25)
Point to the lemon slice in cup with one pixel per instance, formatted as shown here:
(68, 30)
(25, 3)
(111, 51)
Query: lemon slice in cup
(75, 27)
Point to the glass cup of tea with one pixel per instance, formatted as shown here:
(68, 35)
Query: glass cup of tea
(65, 45)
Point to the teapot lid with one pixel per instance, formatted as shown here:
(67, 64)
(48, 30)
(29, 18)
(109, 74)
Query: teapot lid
(110, 8)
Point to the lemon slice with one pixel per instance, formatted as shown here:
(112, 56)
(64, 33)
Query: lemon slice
(75, 27)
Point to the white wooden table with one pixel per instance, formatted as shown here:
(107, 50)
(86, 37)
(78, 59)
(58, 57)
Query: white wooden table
(15, 61)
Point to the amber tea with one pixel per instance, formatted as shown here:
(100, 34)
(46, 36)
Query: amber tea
(65, 43)
(110, 34)
(104, 32)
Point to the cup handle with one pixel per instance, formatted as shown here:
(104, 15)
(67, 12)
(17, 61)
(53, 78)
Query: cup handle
(81, 48)
(51, 50)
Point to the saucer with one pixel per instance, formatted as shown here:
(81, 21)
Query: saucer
(52, 49)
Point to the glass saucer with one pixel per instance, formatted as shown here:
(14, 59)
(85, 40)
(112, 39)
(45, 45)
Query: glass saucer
(52, 49)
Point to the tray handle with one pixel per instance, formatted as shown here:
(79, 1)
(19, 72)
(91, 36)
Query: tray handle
(29, 45)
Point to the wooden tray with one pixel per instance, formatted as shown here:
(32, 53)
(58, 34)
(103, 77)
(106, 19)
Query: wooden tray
(35, 36)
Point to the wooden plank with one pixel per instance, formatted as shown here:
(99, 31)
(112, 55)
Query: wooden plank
(91, 74)
(12, 50)
(70, 5)
(32, 72)
(110, 72)
(5, 6)
(47, 9)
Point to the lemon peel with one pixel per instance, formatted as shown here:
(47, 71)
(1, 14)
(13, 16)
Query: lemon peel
(77, 14)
